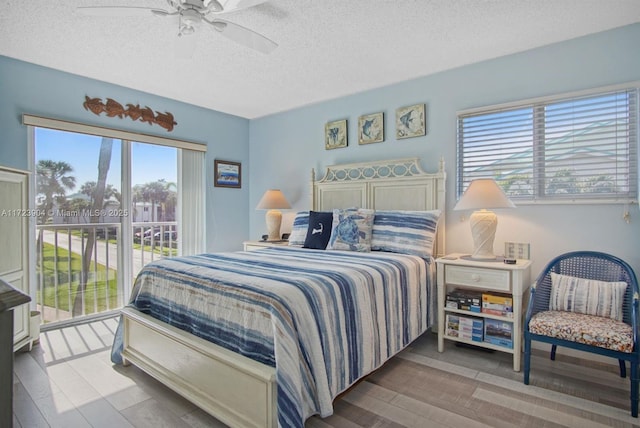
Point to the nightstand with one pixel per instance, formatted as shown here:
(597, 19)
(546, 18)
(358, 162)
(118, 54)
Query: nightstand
(256, 245)
(487, 325)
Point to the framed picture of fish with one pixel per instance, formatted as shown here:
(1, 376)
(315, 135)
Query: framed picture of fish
(227, 174)
(335, 134)
(411, 121)
(371, 128)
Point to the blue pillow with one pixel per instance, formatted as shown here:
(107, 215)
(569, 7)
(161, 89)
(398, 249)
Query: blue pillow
(319, 230)
(351, 230)
(406, 232)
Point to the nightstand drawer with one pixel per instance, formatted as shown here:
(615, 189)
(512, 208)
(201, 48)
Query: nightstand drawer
(477, 277)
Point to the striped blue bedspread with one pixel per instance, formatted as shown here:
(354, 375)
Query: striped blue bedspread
(323, 319)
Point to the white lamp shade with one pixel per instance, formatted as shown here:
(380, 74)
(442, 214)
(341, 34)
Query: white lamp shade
(273, 200)
(481, 194)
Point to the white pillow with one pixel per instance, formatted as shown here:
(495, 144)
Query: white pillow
(299, 229)
(587, 296)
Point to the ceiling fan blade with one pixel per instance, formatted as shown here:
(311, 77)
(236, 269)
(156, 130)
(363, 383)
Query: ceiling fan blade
(243, 35)
(119, 11)
(231, 5)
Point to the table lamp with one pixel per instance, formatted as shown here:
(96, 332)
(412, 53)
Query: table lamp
(273, 200)
(482, 194)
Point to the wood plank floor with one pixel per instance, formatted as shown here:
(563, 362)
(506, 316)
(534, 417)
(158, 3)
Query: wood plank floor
(68, 381)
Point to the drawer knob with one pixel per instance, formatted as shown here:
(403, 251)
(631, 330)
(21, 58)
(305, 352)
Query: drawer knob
(475, 277)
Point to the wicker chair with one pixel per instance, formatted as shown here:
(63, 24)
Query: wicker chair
(598, 334)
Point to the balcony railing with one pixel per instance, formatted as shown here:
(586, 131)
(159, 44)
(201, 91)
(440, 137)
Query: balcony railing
(152, 241)
(68, 288)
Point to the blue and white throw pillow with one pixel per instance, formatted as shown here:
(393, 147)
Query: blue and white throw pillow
(319, 231)
(299, 229)
(406, 232)
(587, 296)
(351, 230)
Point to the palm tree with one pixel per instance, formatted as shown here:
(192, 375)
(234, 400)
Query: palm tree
(170, 201)
(53, 181)
(156, 193)
(137, 196)
(89, 188)
(104, 161)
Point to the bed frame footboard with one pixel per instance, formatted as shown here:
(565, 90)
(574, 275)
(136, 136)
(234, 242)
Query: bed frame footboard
(235, 389)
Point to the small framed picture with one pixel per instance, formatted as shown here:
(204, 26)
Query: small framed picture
(227, 174)
(517, 250)
(371, 128)
(411, 121)
(335, 134)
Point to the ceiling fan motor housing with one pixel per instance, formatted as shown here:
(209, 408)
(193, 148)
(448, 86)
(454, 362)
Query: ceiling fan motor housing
(203, 5)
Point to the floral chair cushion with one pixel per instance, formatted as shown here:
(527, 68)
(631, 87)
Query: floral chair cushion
(591, 330)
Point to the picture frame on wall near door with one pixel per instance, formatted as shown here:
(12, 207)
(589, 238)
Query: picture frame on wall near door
(227, 174)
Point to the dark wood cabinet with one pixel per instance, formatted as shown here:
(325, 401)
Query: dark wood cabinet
(10, 298)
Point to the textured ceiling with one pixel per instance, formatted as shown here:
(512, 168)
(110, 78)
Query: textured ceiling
(327, 48)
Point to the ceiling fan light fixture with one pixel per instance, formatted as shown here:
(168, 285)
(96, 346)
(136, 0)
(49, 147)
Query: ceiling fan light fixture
(186, 30)
(189, 20)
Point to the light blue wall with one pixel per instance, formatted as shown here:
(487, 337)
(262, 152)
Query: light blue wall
(284, 147)
(27, 88)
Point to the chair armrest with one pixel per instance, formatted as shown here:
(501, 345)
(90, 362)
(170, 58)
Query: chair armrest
(634, 317)
(529, 314)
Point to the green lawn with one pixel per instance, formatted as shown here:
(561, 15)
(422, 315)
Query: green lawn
(56, 264)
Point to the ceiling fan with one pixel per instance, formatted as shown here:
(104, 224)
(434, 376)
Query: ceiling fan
(193, 12)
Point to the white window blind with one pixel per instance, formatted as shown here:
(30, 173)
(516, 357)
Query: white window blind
(556, 149)
(191, 205)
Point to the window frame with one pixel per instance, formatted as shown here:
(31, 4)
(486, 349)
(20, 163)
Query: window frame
(193, 236)
(537, 143)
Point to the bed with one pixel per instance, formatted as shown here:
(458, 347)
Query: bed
(284, 365)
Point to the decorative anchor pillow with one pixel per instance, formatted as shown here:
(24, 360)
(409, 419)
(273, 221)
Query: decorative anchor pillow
(351, 230)
(587, 296)
(319, 230)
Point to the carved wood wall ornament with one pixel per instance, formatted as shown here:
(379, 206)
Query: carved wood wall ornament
(114, 109)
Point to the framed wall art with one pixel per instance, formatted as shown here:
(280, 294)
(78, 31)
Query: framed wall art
(227, 174)
(411, 121)
(371, 128)
(335, 134)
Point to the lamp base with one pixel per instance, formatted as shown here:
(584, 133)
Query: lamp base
(273, 219)
(483, 230)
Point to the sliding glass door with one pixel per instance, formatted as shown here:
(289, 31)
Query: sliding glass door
(104, 207)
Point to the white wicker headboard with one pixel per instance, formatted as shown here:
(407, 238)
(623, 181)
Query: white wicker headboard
(398, 184)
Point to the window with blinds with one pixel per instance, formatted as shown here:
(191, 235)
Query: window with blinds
(556, 149)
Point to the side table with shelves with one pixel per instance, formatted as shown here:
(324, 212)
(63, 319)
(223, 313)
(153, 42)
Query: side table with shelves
(454, 271)
(256, 245)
